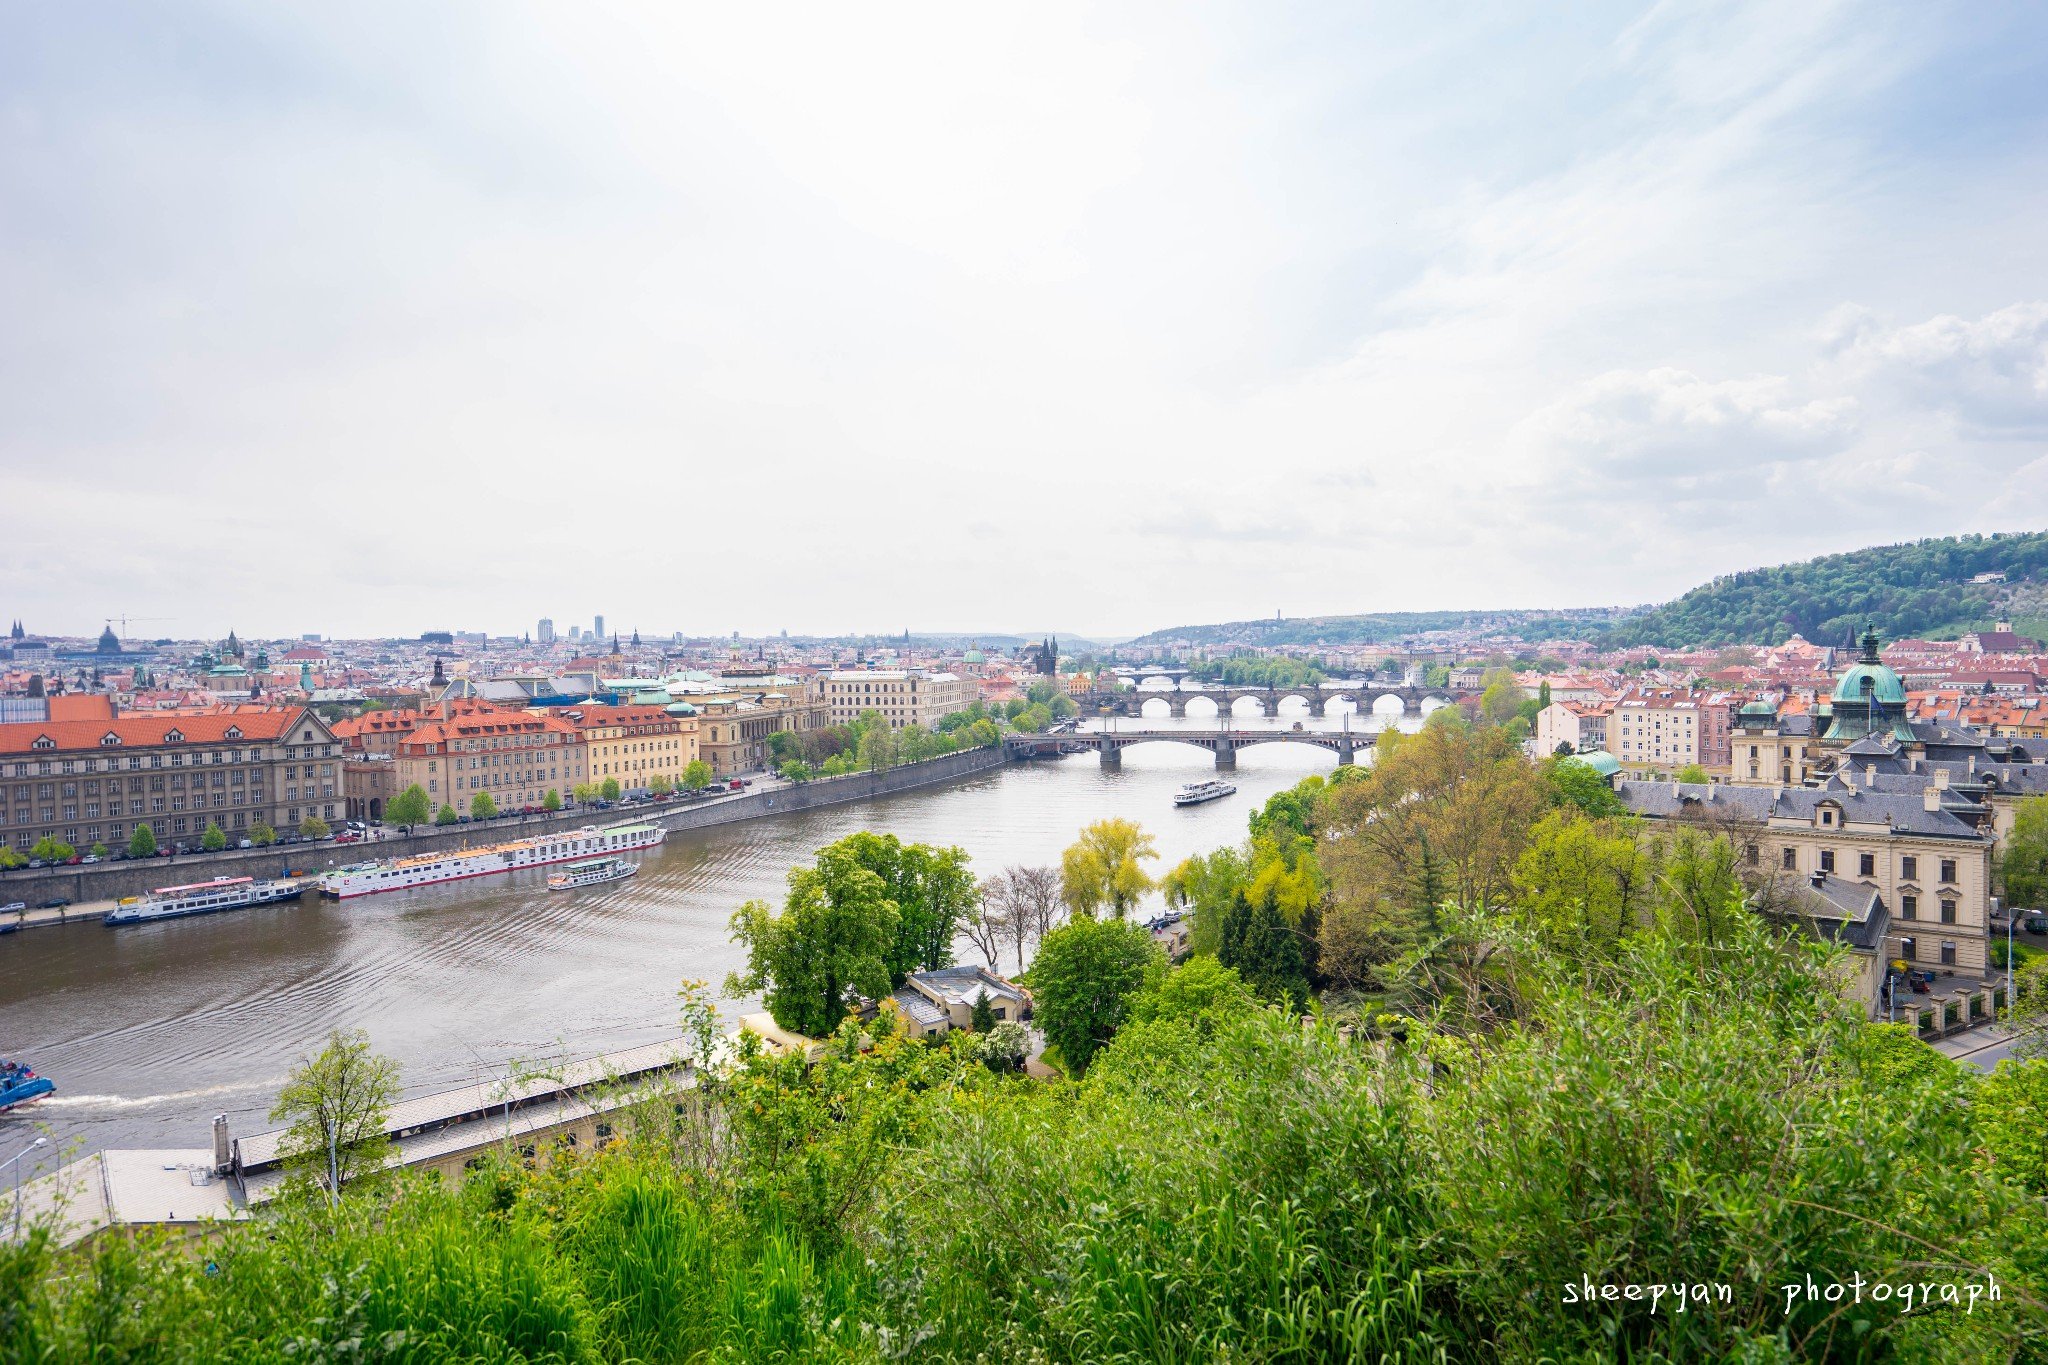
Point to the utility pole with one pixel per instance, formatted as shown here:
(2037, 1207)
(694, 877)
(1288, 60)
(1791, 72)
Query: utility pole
(333, 1164)
(14, 1161)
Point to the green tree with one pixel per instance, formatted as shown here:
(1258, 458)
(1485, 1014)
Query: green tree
(830, 943)
(661, 784)
(796, 770)
(409, 807)
(1104, 867)
(1501, 698)
(697, 775)
(334, 1107)
(11, 857)
(1264, 950)
(552, 801)
(52, 850)
(1083, 981)
(1693, 772)
(446, 815)
(98, 850)
(214, 839)
(1200, 988)
(482, 807)
(877, 748)
(983, 1017)
(1581, 883)
(933, 891)
(313, 827)
(142, 843)
(584, 793)
(608, 790)
(262, 835)
(1204, 885)
(1571, 782)
(2011, 1111)
(2023, 867)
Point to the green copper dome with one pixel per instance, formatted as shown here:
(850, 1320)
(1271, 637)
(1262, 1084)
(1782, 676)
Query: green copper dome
(1870, 678)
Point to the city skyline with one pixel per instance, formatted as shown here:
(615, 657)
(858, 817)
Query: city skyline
(1110, 317)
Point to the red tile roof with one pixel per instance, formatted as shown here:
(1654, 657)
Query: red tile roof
(143, 730)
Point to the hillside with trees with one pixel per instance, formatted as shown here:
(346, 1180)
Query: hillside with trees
(1922, 588)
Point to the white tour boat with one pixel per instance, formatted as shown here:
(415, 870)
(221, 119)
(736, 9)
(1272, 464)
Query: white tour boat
(426, 869)
(590, 872)
(1195, 793)
(202, 898)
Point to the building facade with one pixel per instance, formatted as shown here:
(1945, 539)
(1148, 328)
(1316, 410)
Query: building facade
(516, 757)
(902, 696)
(87, 782)
(633, 745)
(1661, 733)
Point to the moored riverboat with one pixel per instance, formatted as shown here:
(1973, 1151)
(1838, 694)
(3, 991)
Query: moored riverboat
(428, 869)
(202, 898)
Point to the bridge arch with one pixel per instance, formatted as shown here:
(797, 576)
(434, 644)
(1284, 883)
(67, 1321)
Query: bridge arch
(1247, 705)
(1430, 704)
(1390, 705)
(1154, 704)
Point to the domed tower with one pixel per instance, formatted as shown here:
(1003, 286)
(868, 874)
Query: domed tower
(1869, 699)
(110, 643)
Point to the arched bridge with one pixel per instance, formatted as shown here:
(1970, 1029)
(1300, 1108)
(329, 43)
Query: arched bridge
(1131, 701)
(1109, 745)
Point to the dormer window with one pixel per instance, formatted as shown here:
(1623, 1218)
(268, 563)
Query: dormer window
(234, 732)
(1828, 814)
(174, 737)
(43, 742)
(109, 740)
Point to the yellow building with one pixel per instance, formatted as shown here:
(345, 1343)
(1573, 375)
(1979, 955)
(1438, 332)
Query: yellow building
(633, 745)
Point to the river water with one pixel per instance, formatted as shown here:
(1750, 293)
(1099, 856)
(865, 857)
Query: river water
(149, 1031)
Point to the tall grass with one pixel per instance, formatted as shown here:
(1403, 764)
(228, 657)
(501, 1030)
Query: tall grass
(1215, 1190)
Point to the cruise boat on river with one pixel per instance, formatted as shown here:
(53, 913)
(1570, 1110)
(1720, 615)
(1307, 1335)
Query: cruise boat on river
(590, 872)
(426, 869)
(19, 1084)
(202, 898)
(1195, 793)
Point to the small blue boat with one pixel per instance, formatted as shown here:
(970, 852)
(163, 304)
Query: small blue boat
(19, 1084)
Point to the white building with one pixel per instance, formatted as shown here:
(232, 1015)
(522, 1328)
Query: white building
(904, 696)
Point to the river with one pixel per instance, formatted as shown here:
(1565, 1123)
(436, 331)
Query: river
(149, 1031)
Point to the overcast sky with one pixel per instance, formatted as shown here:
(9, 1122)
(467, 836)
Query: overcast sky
(382, 317)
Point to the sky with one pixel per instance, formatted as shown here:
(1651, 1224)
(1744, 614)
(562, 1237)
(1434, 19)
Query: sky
(380, 318)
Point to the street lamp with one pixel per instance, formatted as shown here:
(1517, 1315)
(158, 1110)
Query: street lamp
(41, 1141)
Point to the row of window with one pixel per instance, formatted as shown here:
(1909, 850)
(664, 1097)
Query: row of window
(89, 835)
(1866, 864)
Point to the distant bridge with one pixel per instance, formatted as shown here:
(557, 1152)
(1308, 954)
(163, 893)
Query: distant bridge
(1109, 745)
(1131, 701)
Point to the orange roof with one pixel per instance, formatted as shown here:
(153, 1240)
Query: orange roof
(483, 724)
(251, 723)
(593, 717)
(81, 706)
(379, 723)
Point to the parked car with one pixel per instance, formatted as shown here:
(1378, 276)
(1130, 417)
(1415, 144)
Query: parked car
(13, 907)
(736, 785)
(246, 843)
(347, 836)
(90, 858)
(2037, 924)
(54, 903)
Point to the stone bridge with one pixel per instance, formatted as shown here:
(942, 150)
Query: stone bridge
(1131, 701)
(1109, 745)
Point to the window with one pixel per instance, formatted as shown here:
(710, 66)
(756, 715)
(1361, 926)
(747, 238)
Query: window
(1827, 860)
(1909, 866)
(1909, 907)
(1789, 859)
(1866, 864)
(1909, 949)
(1948, 869)
(1948, 911)
(1948, 954)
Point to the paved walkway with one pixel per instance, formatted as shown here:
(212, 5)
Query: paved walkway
(1983, 1047)
(68, 914)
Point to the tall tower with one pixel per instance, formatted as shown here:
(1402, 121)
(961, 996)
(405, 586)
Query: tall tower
(600, 625)
(547, 630)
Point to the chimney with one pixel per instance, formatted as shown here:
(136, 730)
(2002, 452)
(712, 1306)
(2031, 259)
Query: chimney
(1870, 774)
(1930, 797)
(221, 1157)
(1820, 879)
(1941, 779)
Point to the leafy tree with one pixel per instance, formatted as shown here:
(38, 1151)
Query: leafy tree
(877, 749)
(98, 850)
(1204, 886)
(142, 843)
(1004, 1047)
(983, 1016)
(482, 807)
(334, 1107)
(796, 770)
(1578, 785)
(933, 891)
(1200, 988)
(51, 850)
(1693, 772)
(552, 801)
(1582, 882)
(1502, 698)
(1104, 868)
(313, 827)
(608, 790)
(262, 835)
(661, 784)
(410, 807)
(2023, 867)
(697, 775)
(2009, 1107)
(446, 815)
(11, 858)
(1700, 893)
(830, 944)
(1083, 980)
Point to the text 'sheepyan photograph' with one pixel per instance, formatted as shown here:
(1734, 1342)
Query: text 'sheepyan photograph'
(693, 684)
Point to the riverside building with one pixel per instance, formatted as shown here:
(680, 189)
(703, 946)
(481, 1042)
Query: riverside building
(903, 696)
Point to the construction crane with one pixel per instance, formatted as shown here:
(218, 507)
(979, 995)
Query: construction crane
(124, 620)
